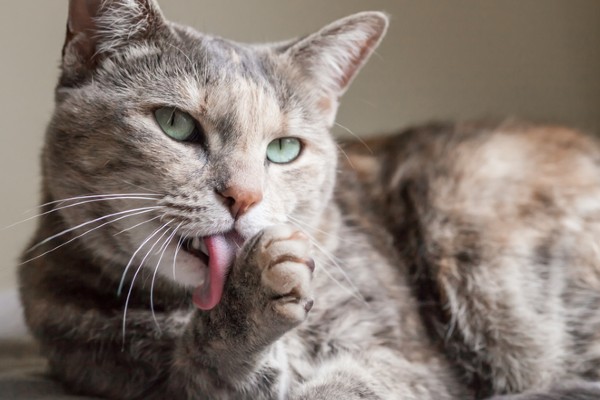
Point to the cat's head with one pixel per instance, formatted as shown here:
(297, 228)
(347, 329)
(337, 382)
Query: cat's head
(225, 138)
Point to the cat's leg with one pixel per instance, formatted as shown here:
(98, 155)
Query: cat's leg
(229, 351)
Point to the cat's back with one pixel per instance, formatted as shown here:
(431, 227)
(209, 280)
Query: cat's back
(509, 171)
(513, 152)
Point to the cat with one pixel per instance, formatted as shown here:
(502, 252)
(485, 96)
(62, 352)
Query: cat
(200, 238)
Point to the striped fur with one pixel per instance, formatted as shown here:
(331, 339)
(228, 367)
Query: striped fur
(453, 261)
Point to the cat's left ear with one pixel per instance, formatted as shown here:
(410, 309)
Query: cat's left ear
(332, 57)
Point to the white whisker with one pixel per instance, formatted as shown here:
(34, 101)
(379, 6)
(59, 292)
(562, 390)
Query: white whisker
(94, 196)
(179, 245)
(77, 204)
(90, 222)
(122, 282)
(141, 187)
(345, 155)
(354, 291)
(90, 230)
(356, 136)
(152, 248)
(138, 270)
(307, 226)
(349, 291)
(138, 224)
(167, 242)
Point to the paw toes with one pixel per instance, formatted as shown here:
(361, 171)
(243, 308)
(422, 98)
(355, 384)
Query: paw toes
(294, 310)
(277, 233)
(309, 305)
(310, 263)
(287, 277)
(275, 249)
(286, 269)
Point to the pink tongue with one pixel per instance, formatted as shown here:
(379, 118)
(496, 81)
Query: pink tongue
(221, 252)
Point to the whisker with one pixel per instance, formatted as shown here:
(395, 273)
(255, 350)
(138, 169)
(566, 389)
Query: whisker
(88, 231)
(152, 248)
(141, 187)
(179, 245)
(345, 155)
(351, 292)
(138, 224)
(94, 196)
(307, 226)
(355, 292)
(138, 270)
(167, 242)
(356, 136)
(90, 222)
(77, 204)
(122, 282)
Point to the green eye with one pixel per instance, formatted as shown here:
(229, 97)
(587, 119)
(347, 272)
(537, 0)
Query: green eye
(175, 123)
(283, 150)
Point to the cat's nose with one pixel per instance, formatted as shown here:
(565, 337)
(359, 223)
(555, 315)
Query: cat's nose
(240, 199)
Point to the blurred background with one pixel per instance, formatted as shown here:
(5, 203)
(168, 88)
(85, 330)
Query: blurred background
(460, 59)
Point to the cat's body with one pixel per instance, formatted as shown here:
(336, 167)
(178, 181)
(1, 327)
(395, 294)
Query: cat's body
(497, 226)
(452, 262)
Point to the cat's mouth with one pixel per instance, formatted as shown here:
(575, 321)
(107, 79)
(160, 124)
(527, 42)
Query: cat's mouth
(217, 252)
(197, 248)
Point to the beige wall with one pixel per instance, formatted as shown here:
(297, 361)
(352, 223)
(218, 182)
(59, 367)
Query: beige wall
(442, 59)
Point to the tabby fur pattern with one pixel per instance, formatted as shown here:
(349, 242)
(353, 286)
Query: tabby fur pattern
(447, 262)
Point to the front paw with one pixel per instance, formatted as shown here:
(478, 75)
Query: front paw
(275, 272)
(283, 257)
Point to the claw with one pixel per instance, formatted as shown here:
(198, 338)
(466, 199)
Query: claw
(309, 305)
(310, 263)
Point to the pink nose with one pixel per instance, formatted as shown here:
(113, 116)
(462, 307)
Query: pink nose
(240, 199)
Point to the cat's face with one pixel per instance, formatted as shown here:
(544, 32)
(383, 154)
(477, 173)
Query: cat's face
(186, 120)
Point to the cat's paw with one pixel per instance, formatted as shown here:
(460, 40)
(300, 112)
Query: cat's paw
(282, 255)
(267, 292)
(269, 287)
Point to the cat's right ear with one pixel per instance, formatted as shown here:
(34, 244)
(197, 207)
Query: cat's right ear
(331, 58)
(97, 28)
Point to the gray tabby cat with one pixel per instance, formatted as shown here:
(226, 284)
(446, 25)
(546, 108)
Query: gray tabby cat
(201, 241)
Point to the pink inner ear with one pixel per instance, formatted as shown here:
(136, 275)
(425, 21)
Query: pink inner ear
(82, 14)
(81, 27)
(333, 56)
(357, 61)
